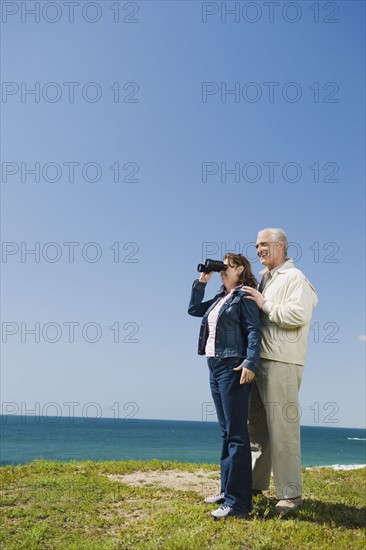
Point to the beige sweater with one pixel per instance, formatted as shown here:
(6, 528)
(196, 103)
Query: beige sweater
(286, 315)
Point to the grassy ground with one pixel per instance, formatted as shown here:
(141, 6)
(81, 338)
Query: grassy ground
(76, 506)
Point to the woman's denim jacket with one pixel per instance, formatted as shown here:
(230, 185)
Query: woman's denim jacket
(238, 329)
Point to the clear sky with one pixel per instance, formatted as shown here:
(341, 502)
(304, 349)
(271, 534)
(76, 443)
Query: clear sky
(139, 138)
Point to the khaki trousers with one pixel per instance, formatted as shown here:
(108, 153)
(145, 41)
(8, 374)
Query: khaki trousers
(274, 427)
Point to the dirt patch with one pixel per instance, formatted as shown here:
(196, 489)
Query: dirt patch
(199, 481)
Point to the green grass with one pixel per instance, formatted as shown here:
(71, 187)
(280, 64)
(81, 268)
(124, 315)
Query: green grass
(75, 506)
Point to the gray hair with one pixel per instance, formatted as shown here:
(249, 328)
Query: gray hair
(279, 235)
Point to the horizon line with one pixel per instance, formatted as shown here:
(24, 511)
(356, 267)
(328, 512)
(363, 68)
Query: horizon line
(159, 420)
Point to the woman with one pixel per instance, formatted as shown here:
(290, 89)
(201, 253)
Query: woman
(230, 337)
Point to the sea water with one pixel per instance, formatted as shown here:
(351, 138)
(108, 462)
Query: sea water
(25, 438)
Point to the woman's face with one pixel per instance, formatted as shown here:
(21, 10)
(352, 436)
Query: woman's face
(230, 277)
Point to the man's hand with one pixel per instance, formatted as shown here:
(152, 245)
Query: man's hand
(205, 277)
(255, 295)
(246, 375)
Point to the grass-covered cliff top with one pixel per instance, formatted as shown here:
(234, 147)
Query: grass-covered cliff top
(159, 505)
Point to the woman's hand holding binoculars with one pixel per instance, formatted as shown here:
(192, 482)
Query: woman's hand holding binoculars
(207, 269)
(205, 277)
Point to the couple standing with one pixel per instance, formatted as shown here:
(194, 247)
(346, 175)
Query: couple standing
(255, 343)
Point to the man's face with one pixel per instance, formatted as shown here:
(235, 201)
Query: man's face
(269, 251)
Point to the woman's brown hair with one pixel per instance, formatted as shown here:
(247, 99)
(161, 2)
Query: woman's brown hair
(246, 276)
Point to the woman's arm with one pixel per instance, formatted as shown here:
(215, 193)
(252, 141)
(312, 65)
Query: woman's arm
(251, 322)
(196, 307)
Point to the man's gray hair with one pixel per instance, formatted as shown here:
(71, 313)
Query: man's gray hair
(278, 234)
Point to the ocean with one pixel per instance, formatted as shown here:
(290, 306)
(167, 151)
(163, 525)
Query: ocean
(26, 438)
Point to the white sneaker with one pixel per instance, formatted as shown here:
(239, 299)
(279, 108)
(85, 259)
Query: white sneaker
(215, 499)
(228, 511)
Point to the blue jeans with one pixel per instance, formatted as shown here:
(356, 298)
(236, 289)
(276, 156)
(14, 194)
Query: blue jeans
(231, 401)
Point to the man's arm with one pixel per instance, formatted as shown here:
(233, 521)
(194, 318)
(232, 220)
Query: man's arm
(297, 309)
(298, 304)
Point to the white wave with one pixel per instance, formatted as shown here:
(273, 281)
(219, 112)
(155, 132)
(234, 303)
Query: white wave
(357, 438)
(339, 467)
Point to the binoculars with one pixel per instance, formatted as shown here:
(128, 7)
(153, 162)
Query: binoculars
(211, 265)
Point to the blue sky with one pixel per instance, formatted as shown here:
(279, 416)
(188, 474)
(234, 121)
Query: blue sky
(296, 107)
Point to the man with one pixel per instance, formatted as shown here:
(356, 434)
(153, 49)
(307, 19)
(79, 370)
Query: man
(286, 299)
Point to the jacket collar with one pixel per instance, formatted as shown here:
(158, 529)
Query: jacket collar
(236, 289)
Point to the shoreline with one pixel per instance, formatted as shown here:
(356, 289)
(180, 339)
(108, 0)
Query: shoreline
(334, 467)
(337, 467)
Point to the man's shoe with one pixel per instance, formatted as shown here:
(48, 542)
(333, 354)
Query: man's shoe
(227, 511)
(288, 505)
(219, 498)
